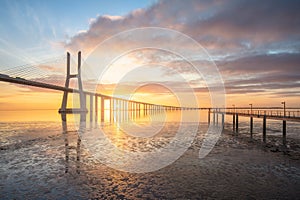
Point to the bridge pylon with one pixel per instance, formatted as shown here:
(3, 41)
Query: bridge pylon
(82, 109)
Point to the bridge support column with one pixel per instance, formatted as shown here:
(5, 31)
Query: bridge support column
(133, 109)
(91, 108)
(208, 120)
(96, 108)
(264, 128)
(129, 106)
(111, 109)
(284, 132)
(124, 110)
(82, 96)
(102, 109)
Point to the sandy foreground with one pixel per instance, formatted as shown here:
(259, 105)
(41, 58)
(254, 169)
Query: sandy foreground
(237, 168)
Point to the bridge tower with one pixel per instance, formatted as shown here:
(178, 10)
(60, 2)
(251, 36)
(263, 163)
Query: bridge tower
(82, 110)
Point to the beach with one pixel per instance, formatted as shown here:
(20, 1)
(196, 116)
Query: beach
(39, 165)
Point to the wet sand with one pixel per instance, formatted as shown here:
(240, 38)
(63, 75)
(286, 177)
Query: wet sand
(236, 168)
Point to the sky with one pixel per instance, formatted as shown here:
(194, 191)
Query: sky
(251, 48)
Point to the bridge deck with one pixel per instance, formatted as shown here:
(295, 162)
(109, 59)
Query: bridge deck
(256, 114)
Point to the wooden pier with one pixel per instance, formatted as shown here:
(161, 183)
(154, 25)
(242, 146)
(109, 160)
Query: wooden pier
(273, 113)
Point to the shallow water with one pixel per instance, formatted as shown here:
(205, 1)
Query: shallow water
(44, 160)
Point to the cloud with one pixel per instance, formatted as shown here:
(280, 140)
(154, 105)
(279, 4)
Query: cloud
(255, 43)
(113, 17)
(275, 63)
(217, 25)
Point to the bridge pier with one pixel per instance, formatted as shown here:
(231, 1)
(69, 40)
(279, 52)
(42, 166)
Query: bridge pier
(102, 109)
(208, 116)
(91, 108)
(129, 105)
(111, 109)
(96, 108)
(82, 96)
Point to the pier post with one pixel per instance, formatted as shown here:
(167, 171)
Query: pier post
(217, 117)
(214, 117)
(251, 127)
(284, 132)
(223, 123)
(237, 123)
(233, 123)
(264, 128)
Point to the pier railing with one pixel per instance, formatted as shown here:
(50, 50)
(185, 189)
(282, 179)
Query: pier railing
(292, 114)
(271, 113)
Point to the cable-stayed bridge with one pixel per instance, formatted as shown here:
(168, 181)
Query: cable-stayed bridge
(38, 77)
(42, 76)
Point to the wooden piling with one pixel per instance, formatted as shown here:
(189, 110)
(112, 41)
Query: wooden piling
(214, 117)
(264, 128)
(284, 132)
(233, 123)
(223, 122)
(237, 123)
(251, 127)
